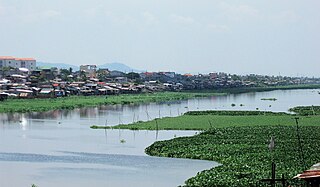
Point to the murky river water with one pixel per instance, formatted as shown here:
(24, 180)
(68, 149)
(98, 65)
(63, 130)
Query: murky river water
(58, 148)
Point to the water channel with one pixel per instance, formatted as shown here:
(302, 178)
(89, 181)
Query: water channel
(58, 148)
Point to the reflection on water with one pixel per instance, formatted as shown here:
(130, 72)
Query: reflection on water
(124, 114)
(58, 148)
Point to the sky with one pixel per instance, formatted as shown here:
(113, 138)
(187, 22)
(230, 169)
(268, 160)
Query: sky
(269, 37)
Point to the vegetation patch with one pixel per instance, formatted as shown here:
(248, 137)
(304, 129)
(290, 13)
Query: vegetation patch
(306, 110)
(244, 154)
(235, 113)
(204, 120)
(268, 99)
(72, 102)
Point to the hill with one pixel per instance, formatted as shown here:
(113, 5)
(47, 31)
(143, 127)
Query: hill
(111, 66)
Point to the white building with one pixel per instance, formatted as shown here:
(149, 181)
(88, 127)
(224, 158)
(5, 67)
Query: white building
(90, 70)
(9, 61)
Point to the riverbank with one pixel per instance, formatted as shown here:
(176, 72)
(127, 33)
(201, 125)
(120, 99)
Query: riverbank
(259, 89)
(72, 102)
(239, 141)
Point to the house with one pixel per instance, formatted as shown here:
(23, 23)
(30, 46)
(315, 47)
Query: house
(46, 92)
(311, 176)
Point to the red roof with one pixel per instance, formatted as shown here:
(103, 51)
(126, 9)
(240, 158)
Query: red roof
(6, 58)
(14, 58)
(27, 59)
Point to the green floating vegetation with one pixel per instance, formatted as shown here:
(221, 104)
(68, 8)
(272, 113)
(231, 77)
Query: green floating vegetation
(72, 102)
(244, 154)
(306, 110)
(268, 99)
(239, 141)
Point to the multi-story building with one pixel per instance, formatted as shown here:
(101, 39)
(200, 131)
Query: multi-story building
(9, 61)
(90, 70)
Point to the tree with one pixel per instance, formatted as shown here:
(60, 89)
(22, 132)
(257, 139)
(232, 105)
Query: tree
(102, 74)
(64, 73)
(133, 75)
(83, 76)
(4, 70)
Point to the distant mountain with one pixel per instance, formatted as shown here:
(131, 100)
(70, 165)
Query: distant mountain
(111, 66)
(119, 67)
(58, 65)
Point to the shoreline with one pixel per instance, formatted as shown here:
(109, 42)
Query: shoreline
(72, 102)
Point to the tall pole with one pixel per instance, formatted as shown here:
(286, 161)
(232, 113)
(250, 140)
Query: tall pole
(300, 144)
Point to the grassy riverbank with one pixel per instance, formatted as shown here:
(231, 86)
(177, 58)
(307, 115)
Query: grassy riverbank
(39, 105)
(204, 120)
(260, 89)
(239, 141)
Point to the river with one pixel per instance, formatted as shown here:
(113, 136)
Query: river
(58, 148)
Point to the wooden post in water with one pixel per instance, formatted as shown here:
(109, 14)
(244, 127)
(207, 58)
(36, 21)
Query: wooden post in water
(273, 175)
(157, 129)
(148, 117)
(300, 144)
(134, 116)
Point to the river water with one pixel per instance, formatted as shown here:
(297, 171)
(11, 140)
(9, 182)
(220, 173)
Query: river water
(58, 148)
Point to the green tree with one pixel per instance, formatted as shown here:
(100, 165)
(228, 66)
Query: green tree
(133, 75)
(64, 74)
(4, 70)
(83, 76)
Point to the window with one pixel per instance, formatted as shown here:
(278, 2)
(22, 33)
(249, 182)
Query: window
(23, 64)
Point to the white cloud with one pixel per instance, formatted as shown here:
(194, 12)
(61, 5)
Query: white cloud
(31, 17)
(182, 19)
(287, 16)
(239, 12)
(91, 12)
(218, 28)
(149, 17)
(123, 19)
(50, 13)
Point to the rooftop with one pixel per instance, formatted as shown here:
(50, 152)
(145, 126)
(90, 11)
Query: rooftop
(14, 58)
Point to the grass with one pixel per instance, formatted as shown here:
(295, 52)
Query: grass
(204, 120)
(40, 105)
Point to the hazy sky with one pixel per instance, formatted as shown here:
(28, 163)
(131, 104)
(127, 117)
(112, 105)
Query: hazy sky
(234, 36)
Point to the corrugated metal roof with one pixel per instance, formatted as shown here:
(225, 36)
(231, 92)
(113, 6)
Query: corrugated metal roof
(313, 172)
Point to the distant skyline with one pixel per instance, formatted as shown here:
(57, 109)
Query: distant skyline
(268, 37)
